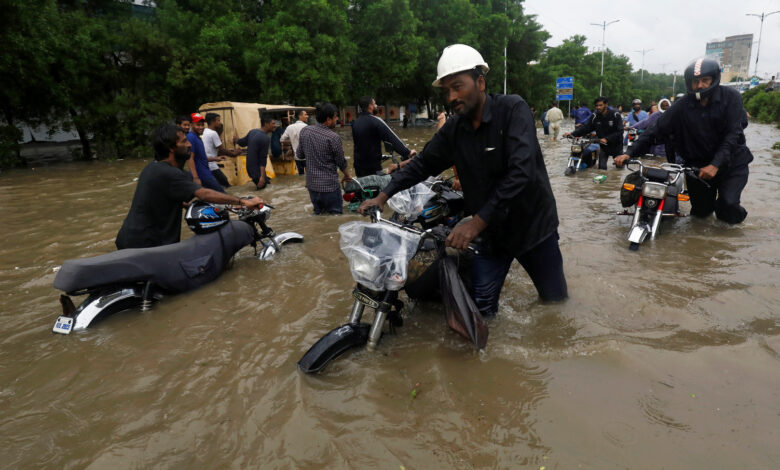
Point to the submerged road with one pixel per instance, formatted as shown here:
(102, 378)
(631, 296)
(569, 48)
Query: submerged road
(668, 357)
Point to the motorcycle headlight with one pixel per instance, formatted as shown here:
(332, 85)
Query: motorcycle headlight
(364, 266)
(576, 148)
(654, 190)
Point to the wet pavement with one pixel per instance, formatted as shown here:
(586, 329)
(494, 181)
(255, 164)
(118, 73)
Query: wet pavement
(668, 357)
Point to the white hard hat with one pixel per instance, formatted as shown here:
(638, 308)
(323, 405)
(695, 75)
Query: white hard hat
(458, 58)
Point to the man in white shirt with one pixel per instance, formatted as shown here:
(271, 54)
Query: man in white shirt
(554, 117)
(292, 134)
(215, 150)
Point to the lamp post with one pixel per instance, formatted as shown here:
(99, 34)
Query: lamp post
(760, 31)
(674, 81)
(603, 26)
(643, 51)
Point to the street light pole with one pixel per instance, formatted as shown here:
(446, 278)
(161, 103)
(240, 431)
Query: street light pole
(603, 26)
(760, 32)
(643, 51)
(674, 80)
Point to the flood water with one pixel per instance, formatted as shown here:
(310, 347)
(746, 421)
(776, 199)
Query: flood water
(668, 357)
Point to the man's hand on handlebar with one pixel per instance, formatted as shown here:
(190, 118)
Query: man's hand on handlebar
(253, 202)
(378, 201)
(567, 134)
(708, 172)
(620, 159)
(463, 234)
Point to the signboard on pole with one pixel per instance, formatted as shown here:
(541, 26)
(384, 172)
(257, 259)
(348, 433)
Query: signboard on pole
(564, 89)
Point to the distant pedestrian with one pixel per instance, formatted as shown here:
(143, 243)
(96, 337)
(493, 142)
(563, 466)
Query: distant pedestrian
(555, 118)
(324, 154)
(368, 133)
(202, 175)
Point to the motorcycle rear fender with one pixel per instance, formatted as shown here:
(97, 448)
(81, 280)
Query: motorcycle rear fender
(101, 304)
(332, 345)
(269, 248)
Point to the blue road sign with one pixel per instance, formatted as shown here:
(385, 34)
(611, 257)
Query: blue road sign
(564, 82)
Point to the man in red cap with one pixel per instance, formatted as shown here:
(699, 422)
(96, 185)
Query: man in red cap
(202, 173)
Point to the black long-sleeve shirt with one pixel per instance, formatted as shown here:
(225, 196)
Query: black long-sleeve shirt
(703, 135)
(368, 133)
(501, 169)
(257, 142)
(607, 126)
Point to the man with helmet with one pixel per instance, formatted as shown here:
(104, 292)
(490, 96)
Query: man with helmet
(706, 126)
(637, 113)
(492, 143)
(154, 218)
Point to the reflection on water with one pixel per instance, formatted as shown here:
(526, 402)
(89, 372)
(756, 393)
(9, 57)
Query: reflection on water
(671, 348)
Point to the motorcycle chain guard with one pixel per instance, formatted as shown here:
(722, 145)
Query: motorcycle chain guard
(332, 345)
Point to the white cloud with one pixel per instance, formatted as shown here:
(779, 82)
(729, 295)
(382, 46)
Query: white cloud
(676, 31)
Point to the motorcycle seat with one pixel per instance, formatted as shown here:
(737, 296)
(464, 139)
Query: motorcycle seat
(174, 268)
(658, 175)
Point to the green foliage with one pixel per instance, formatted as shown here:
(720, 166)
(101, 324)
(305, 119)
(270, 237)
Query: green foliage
(765, 107)
(111, 69)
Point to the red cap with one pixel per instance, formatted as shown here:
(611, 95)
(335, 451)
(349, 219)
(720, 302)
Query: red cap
(197, 117)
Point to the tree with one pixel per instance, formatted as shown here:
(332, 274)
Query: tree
(387, 48)
(303, 52)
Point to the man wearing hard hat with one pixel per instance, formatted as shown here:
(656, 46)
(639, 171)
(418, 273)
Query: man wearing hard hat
(492, 144)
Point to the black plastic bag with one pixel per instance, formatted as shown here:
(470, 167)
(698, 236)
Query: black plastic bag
(460, 310)
(629, 198)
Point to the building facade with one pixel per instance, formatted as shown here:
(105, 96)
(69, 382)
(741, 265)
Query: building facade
(733, 53)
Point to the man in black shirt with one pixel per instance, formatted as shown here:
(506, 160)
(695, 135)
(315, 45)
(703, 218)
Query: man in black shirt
(257, 142)
(368, 133)
(608, 125)
(706, 127)
(155, 214)
(492, 143)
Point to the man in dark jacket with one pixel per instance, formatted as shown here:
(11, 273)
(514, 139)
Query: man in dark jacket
(706, 127)
(607, 123)
(368, 133)
(492, 143)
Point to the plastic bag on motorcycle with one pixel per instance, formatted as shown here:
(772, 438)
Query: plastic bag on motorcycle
(411, 202)
(378, 254)
(630, 197)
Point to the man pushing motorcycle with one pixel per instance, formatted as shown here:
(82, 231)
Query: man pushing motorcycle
(706, 128)
(492, 144)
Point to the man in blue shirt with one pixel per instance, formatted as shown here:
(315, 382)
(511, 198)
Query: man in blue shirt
(581, 115)
(203, 174)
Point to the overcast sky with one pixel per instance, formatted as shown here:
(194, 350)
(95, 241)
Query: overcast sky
(676, 38)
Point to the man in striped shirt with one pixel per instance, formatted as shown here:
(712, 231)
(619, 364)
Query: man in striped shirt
(321, 147)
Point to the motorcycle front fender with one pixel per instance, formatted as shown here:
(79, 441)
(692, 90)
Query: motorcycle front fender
(332, 345)
(638, 233)
(270, 248)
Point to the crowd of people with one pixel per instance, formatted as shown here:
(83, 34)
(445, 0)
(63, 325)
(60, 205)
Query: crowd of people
(490, 140)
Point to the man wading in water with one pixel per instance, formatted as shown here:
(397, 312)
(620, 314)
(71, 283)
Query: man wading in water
(492, 144)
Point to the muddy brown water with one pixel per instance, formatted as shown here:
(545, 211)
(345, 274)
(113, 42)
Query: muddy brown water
(668, 357)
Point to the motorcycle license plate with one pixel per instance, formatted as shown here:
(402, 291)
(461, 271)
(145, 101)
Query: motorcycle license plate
(364, 299)
(63, 325)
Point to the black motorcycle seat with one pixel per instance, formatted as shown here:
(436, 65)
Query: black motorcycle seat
(174, 268)
(658, 175)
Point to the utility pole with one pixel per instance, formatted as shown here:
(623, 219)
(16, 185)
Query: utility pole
(643, 51)
(674, 80)
(603, 25)
(760, 32)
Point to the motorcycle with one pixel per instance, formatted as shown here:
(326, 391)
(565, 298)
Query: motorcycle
(655, 194)
(389, 255)
(138, 277)
(576, 161)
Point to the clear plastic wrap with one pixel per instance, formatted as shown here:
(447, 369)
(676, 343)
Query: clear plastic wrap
(410, 202)
(378, 254)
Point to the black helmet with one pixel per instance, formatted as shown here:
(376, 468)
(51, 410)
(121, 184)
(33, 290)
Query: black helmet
(702, 67)
(202, 217)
